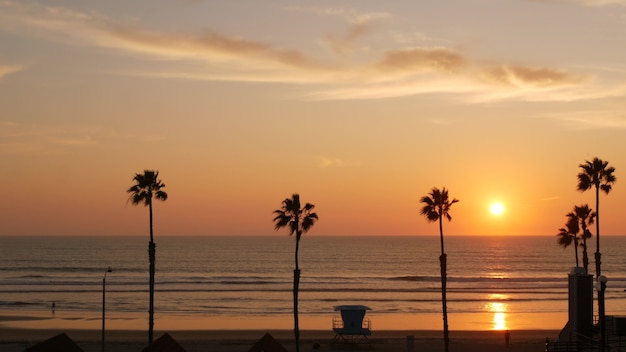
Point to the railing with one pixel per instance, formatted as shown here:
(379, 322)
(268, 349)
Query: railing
(338, 323)
(352, 334)
(578, 342)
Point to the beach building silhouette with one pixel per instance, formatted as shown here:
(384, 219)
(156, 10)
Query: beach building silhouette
(165, 343)
(58, 343)
(267, 344)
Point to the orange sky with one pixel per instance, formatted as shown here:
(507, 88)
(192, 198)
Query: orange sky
(361, 108)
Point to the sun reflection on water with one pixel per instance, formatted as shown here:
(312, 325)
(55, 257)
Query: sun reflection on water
(499, 310)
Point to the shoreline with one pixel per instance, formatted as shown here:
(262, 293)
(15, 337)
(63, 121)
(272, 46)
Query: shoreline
(128, 332)
(15, 339)
(131, 321)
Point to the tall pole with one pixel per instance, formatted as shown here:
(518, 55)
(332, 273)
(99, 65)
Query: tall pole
(103, 303)
(444, 301)
(601, 314)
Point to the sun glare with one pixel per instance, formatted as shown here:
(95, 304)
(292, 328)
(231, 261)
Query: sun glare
(499, 310)
(496, 208)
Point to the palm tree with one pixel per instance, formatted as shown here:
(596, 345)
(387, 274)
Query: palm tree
(569, 234)
(437, 206)
(596, 173)
(584, 216)
(299, 221)
(146, 187)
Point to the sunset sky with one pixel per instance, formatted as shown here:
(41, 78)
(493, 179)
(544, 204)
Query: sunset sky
(360, 106)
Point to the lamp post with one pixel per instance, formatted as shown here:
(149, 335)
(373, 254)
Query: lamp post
(104, 278)
(601, 288)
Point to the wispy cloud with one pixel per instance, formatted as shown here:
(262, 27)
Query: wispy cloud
(325, 162)
(526, 76)
(594, 3)
(348, 14)
(359, 24)
(342, 44)
(590, 119)
(6, 70)
(19, 138)
(93, 29)
(436, 59)
(209, 46)
(394, 73)
(22, 138)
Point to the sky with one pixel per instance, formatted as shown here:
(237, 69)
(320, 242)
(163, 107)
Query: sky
(361, 107)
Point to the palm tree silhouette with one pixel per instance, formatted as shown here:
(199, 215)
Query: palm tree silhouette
(437, 206)
(584, 216)
(299, 220)
(146, 187)
(569, 234)
(596, 173)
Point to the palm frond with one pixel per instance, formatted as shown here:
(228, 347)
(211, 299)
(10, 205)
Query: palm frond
(584, 182)
(437, 205)
(281, 220)
(596, 173)
(147, 186)
(290, 215)
(308, 221)
(564, 238)
(160, 195)
(568, 234)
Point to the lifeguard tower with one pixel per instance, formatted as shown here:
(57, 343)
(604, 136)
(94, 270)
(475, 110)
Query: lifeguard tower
(352, 326)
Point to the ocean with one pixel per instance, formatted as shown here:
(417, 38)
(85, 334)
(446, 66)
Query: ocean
(491, 280)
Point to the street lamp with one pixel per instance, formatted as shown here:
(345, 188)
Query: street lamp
(104, 278)
(601, 288)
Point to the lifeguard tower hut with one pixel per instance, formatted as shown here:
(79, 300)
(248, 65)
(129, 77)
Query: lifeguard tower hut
(352, 326)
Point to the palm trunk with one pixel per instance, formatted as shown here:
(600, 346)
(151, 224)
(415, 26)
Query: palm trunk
(444, 304)
(152, 258)
(601, 312)
(296, 284)
(598, 255)
(576, 250)
(585, 256)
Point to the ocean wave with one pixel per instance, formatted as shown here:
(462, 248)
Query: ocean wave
(18, 303)
(407, 278)
(86, 279)
(264, 289)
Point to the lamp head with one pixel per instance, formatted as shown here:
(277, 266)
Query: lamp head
(601, 282)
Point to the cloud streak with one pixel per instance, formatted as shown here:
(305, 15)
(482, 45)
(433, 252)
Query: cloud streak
(396, 72)
(6, 70)
(20, 138)
(591, 119)
(326, 162)
(592, 3)
(435, 59)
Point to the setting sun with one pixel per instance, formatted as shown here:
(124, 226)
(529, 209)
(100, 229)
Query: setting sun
(496, 208)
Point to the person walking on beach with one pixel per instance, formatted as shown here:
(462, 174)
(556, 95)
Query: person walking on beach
(53, 307)
(507, 338)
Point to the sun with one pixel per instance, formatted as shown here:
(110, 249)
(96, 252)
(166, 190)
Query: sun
(496, 208)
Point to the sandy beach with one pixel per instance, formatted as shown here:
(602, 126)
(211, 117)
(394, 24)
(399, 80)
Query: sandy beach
(242, 340)
(22, 329)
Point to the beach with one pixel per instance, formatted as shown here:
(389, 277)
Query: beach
(242, 340)
(224, 294)
(125, 333)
